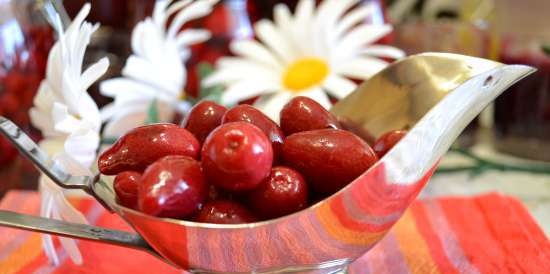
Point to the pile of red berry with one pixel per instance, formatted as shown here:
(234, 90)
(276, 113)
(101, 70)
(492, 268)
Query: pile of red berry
(246, 170)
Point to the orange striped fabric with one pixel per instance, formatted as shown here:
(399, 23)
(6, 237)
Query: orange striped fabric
(485, 234)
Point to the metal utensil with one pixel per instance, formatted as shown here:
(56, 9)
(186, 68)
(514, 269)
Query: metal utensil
(435, 95)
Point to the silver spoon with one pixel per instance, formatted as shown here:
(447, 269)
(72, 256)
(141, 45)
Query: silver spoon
(434, 94)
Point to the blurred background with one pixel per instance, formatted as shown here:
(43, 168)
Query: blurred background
(513, 135)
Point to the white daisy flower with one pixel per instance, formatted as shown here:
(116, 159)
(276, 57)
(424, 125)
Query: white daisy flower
(69, 120)
(155, 70)
(310, 53)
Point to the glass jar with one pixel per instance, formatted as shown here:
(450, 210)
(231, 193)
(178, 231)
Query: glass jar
(522, 113)
(25, 41)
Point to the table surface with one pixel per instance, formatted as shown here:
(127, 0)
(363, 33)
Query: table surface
(532, 189)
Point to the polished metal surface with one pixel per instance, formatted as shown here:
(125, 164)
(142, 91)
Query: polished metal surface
(435, 95)
(400, 95)
(80, 231)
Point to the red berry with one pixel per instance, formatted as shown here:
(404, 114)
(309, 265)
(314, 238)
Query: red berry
(304, 114)
(237, 156)
(126, 188)
(203, 118)
(328, 158)
(172, 187)
(144, 145)
(224, 212)
(282, 193)
(386, 142)
(247, 113)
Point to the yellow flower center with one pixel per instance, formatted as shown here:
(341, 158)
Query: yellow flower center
(305, 73)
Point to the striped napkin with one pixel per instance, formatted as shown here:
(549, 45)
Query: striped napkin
(484, 234)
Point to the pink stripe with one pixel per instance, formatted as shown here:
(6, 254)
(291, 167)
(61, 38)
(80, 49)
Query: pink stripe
(449, 241)
(394, 259)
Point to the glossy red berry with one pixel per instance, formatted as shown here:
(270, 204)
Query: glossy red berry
(126, 188)
(172, 187)
(282, 193)
(224, 212)
(247, 113)
(329, 159)
(237, 156)
(144, 145)
(203, 118)
(386, 142)
(304, 114)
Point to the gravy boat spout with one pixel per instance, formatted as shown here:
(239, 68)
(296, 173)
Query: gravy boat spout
(434, 95)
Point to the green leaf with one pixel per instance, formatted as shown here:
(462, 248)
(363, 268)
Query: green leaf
(152, 113)
(546, 49)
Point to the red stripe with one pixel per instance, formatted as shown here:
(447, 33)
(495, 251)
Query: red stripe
(508, 225)
(476, 239)
(432, 240)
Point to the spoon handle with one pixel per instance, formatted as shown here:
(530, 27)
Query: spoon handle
(41, 159)
(71, 230)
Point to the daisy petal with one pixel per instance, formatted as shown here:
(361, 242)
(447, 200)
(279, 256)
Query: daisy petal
(236, 70)
(272, 37)
(193, 11)
(361, 68)
(192, 36)
(319, 96)
(355, 17)
(245, 90)
(338, 86)
(253, 50)
(383, 51)
(271, 104)
(304, 10)
(303, 20)
(360, 37)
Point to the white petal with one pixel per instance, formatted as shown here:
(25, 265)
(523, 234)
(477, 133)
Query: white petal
(82, 147)
(319, 96)
(361, 68)
(303, 26)
(253, 50)
(238, 70)
(69, 244)
(338, 86)
(274, 40)
(124, 89)
(359, 37)
(245, 90)
(271, 104)
(94, 72)
(195, 10)
(192, 36)
(169, 78)
(71, 165)
(304, 10)
(383, 51)
(355, 17)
